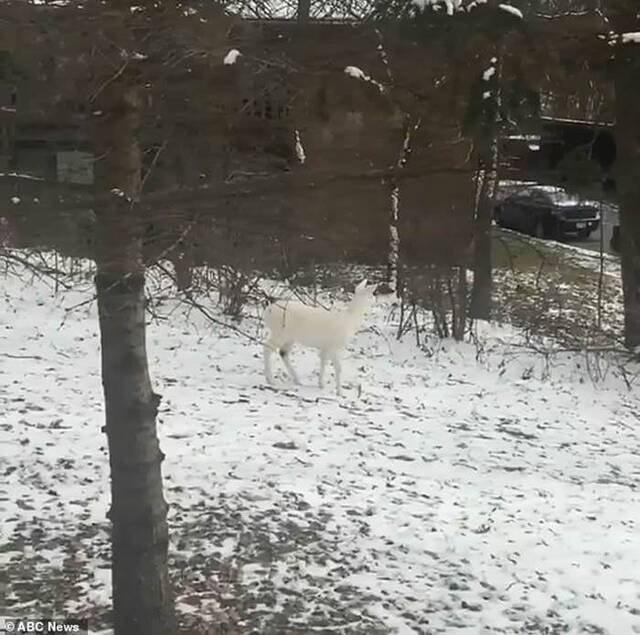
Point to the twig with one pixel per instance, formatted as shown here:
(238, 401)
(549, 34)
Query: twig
(109, 81)
(153, 164)
(190, 300)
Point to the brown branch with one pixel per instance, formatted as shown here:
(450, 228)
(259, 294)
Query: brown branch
(188, 298)
(109, 80)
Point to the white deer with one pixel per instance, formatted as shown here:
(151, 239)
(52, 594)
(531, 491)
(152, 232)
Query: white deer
(291, 322)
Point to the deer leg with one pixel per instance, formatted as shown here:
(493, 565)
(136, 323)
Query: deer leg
(323, 365)
(267, 350)
(335, 360)
(284, 353)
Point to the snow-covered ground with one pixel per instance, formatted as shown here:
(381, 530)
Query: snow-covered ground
(466, 488)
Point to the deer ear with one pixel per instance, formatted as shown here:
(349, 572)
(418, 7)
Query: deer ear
(360, 286)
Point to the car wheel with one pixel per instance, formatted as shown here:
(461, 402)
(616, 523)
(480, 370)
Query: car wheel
(584, 233)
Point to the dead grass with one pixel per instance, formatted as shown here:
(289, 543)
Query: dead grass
(556, 291)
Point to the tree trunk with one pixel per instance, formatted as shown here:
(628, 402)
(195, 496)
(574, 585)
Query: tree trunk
(183, 269)
(459, 302)
(393, 257)
(482, 270)
(304, 10)
(142, 597)
(487, 142)
(627, 79)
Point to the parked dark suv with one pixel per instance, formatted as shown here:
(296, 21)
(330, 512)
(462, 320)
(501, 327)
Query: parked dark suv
(547, 211)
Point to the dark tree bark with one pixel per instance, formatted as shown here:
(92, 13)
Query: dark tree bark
(459, 300)
(624, 18)
(183, 269)
(304, 10)
(393, 255)
(142, 597)
(481, 293)
(486, 142)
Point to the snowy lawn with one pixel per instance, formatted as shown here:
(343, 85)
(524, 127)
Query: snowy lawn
(454, 490)
(558, 289)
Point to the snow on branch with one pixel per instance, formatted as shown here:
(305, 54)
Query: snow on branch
(476, 3)
(357, 73)
(300, 153)
(456, 6)
(451, 6)
(622, 38)
(631, 38)
(17, 175)
(231, 57)
(512, 10)
(489, 73)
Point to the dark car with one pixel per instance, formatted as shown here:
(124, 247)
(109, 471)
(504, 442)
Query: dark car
(546, 211)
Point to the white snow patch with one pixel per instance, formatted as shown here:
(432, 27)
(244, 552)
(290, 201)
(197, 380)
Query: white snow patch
(489, 73)
(354, 71)
(17, 175)
(476, 3)
(231, 57)
(15, 200)
(357, 73)
(628, 38)
(504, 481)
(451, 6)
(299, 148)
(511, 9)
(523, 137)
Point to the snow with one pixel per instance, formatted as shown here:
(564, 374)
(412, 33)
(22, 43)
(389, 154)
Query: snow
(628, 38)
(17, 175)
(476, 3)
(300, 153)
(458, 488)
(489, 73)
(511, 9)
(357, 73)
(231, 57)
(354, 71)
(486, 94)
(15, 200)
(523, 137)
(451, 6)
(631, 37)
